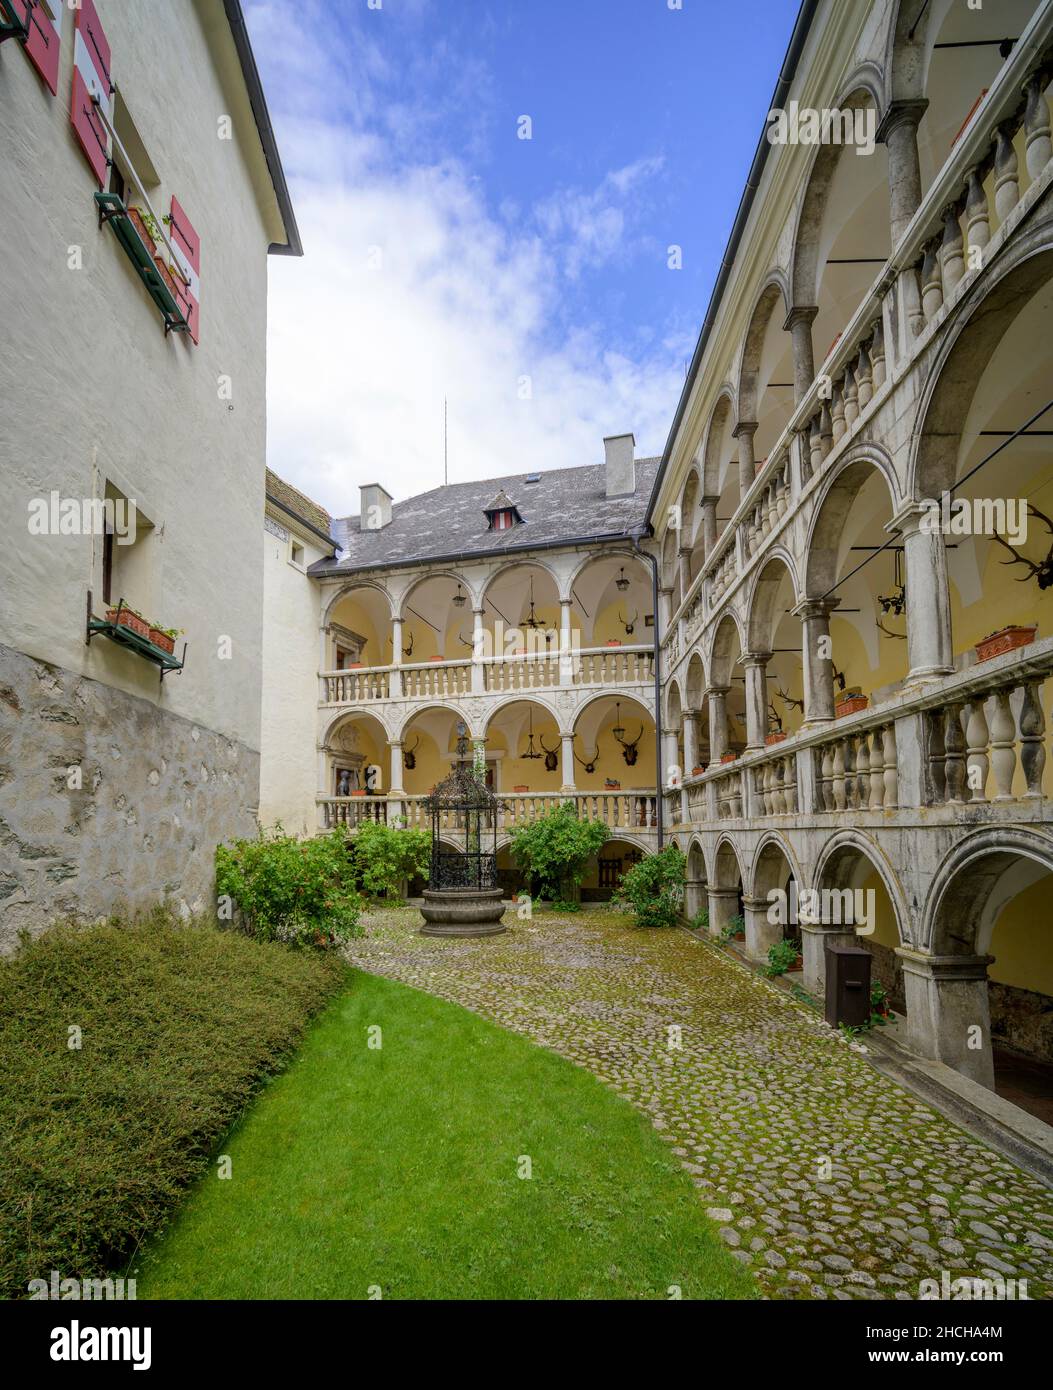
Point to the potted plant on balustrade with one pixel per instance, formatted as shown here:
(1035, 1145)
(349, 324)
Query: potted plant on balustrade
(1006, 639)
(850, 701)
(122, 616)
(164, 637)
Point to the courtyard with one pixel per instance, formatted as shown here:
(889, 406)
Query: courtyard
(824, 1178)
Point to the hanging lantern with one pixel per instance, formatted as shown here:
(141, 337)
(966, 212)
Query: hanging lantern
(618, 731)
(621, 582)
(528, 752)
(459, 598)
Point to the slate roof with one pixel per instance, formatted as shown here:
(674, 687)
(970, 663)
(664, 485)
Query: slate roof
(565, 505)
(278, 490)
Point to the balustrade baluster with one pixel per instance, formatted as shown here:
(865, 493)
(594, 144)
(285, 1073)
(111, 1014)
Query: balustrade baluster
(1007, 186)
(952, 260)
(1003, 749)
(1032, 729)
(954, 756)
(931, 282)
(863, 772)
(977, 763)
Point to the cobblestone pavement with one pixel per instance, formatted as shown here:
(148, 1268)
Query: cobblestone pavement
(824, 1177)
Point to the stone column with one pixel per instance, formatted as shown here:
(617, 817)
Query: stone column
(395, 784)
(756, 666)
(478, 648)
(670, 754)
(948, 1017)
(928, 597)
(324, 788)
(899, 131)
(665, 609)
(718, 723)
(744, 432)
(799, 325)
(760, 932)
(566, 660)
(694, 897)
(723, 905)
(690, 742)
(709, 524)
(818, 670)
(395, 687)
(684, 561)
(567, 763)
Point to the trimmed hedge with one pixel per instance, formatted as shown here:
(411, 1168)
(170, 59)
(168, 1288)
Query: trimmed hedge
(179, 1026)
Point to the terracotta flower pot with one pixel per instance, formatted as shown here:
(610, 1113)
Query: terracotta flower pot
(436, 658)
(777, 737)
(613, 642)
(850, 706)
(520, 790)
(1007, 639)
(162, 640)
(126, 618)
(360, 792)
(728, 757)
(697, 771)
(140, 227)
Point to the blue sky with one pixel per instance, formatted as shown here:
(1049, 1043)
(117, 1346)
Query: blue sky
(526, 280)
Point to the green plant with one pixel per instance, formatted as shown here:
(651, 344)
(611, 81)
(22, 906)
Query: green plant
(700, 921)
(382, 856)
(556, 848)
(654, 888)
(781, 956)
(561, 906)
(291, 890)
(178, 1025)
(172, 632)
(735, 928)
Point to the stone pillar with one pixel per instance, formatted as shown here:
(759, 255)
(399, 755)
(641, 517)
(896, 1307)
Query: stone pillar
(670, 754)
(744, 432)
(928, 597)
(899, 131)
(709, 524)
(566, 658)
(395, 687)
(324, 788)
(665, 609)
(567, 763)
(756, 666)
(684, 561)
(718, 723)
(690, 742)
(799, 325)
(723, 905)
(814, 937)
(395, 785)
(694, 897)
(818, 670)
(760, 932)
(478, 649)
(948, 1017)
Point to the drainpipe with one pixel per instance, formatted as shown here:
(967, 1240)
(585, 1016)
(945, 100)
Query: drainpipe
(653, 562)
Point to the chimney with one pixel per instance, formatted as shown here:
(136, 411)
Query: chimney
(374, 510)
(620, 450)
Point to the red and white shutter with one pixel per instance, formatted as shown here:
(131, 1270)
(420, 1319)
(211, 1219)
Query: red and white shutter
(42, 44)
(91, 79)
(187, 245)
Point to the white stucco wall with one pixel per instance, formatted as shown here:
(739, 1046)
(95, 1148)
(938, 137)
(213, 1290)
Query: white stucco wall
(291, 619)
(92, 388)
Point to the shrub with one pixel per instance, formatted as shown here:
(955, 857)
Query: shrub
(382, 856)
(179, 1026)
(735, 927)
(700, 921)
(781, 956)
(654, 888)
(556, 849)
(291, 890)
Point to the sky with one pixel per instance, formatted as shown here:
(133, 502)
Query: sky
(517, 205)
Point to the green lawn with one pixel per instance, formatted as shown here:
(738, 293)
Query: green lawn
(397, 1169)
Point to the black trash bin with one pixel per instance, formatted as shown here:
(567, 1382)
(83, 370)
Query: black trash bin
(847, 985)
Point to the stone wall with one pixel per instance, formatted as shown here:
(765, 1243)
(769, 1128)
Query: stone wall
(157, 794)
(1022, 1019)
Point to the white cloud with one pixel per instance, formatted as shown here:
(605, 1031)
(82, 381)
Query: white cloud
(411, 289)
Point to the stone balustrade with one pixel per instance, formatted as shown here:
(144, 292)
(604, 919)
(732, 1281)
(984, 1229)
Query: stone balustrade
(351, 810)
(988, 748)
(635, 811)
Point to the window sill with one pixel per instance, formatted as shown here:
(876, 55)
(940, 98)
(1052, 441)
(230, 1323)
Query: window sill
(131, 641)
(113, 211)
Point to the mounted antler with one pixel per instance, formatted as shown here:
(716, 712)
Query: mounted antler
(1043, 571)
(839, 676)
(899, 636)
(628, 623)
(465, 641)
(408, 651)
(789, 701)
(409, 757)
(551, 755)
(589, 766)
(629, 749)
(776, 717)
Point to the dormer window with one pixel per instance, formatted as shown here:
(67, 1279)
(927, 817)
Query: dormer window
(502, 513)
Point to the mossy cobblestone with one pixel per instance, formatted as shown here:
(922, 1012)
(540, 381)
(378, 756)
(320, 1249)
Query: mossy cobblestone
(824, 1177)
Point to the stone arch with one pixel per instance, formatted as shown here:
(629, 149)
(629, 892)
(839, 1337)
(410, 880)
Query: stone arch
(630, 700)
(695, 681)
(773, 290)
(726, 630)
(724, 413)
(474, 598)
(674, 704)
(815, 203)
(853, 843)
(763, 871)
(832, 505)
(446, 706)
(974, 883)
(619, 553)
(761, 618)
(981, 321)
(346, 590)
(521, 697)
(348, 715)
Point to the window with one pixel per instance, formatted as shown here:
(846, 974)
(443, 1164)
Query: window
(296, 553)
(502, 521)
